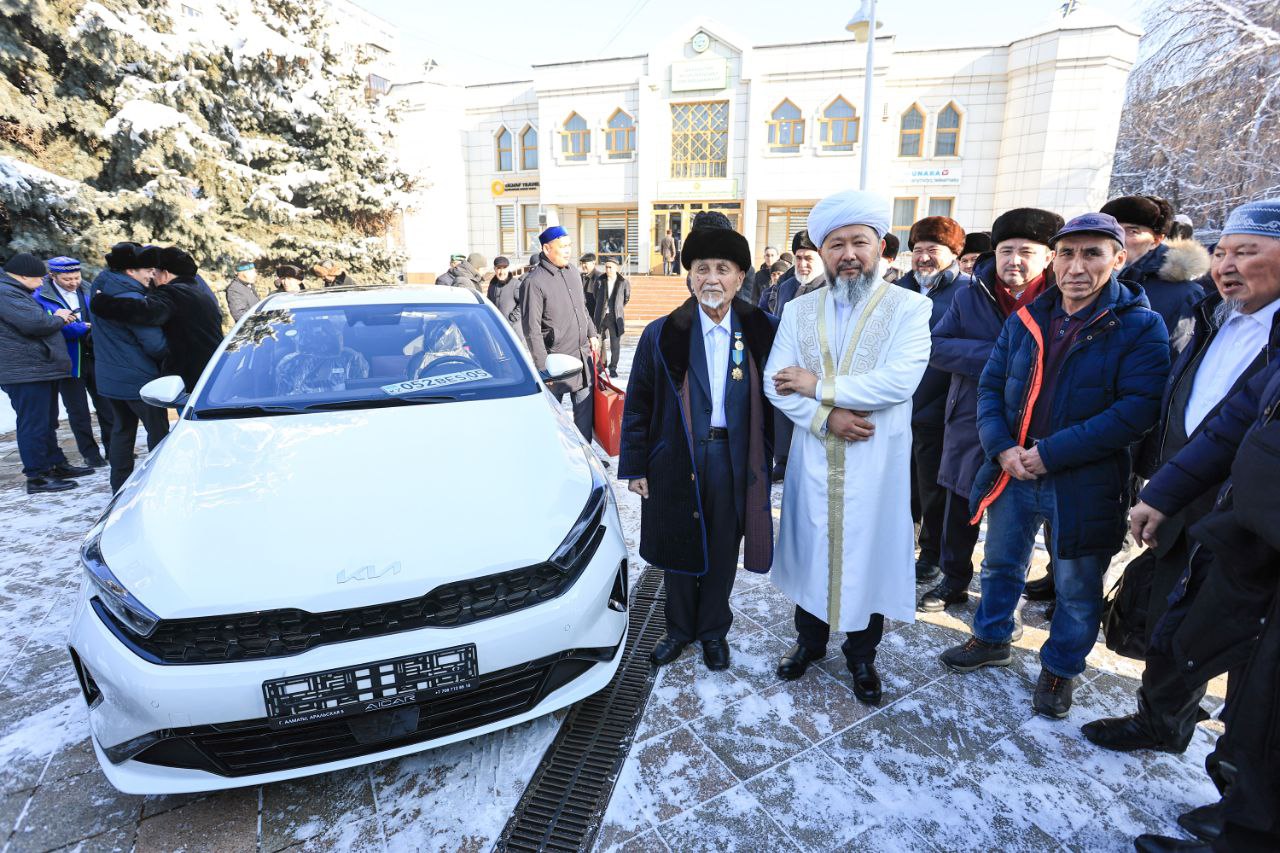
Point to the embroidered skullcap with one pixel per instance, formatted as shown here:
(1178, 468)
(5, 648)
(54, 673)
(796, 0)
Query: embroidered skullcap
(1260, 217)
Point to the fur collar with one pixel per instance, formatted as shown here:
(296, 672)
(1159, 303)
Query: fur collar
(1185, 260)
(673, 340)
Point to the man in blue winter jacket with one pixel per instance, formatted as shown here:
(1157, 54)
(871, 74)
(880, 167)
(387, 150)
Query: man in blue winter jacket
(128, 356)
(1074, 381)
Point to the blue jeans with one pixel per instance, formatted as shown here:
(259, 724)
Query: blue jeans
(1012, 522)
(36, 405)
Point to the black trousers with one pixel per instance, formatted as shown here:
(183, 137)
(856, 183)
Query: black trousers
(36, 407)
(928, 499)
(615, 342)
(858, 646)
(959, 538)
(74, 392)
(127, 414)
(584, 414)
(698, 606)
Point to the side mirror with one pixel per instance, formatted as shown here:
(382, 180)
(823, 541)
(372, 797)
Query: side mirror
(167, 392)
(561, 366)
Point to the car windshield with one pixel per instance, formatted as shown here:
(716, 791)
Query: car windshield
(291, 360)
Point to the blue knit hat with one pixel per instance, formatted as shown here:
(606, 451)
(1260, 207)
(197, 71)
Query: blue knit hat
(1260, 217)
(555, 232)
(63, 264)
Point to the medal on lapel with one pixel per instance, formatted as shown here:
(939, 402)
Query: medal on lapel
(736, 373)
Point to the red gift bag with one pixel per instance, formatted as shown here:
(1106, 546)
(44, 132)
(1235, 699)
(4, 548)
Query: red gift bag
(608, 400)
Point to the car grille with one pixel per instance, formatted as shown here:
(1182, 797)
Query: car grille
(253, 747)
(280, 633)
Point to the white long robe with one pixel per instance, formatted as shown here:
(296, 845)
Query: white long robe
(876, 565)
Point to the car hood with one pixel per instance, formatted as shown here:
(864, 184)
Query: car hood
(334, 510)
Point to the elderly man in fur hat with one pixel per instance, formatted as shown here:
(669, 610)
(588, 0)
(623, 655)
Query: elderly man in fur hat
(847, 359)
(935, 243)
(696, 443)
(1165, 268)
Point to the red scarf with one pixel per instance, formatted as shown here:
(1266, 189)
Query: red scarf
(1009, 303)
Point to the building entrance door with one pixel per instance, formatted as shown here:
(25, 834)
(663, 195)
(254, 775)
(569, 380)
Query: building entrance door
(678, 216)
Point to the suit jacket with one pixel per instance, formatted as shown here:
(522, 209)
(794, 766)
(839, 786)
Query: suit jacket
(605, 308)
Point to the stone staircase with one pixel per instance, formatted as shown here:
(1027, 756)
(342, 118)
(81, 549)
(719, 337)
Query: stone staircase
(652, 296)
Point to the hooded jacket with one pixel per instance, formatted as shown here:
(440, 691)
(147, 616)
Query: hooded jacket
(1107, 396)
(31, 342)
(1167, 273)
(126, 356)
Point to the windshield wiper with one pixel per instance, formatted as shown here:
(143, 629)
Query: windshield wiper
(378, 402)
(251, 411)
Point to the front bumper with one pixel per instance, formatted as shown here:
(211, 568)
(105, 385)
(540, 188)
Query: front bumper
(176, 729)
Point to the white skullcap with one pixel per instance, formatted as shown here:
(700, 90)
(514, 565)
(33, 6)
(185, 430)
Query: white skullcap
(851, 207)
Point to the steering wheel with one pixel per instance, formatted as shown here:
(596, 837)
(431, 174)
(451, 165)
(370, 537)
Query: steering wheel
(442, 365)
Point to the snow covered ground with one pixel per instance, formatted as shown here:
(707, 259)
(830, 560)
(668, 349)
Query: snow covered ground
(723, 761)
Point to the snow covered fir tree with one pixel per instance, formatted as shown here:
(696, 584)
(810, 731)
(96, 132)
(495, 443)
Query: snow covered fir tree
(245, 134)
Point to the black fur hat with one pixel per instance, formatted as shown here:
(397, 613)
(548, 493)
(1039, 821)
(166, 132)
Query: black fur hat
(716, 242)
(123, 256)
(173, 260)
(976, 242)
(1027, 223)
(801, 241)
(1147, 210)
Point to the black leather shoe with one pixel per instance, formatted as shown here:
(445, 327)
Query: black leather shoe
(66, 471)
(866, 683)
(95, 460)
(1165, 844)
(1204, 822)
(1040, 589)
(48, 484)
(716, 654)
(797, 659)
(1053, 695)
(1125, 734)
(941, 597)
(613, 372)
(666, 651)
(927, 572)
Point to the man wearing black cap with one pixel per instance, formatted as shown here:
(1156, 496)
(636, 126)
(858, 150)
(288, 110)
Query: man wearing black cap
(289, 279)
(128, 356)
(696, 444)
(32, 360)
(975, 243)
(1074, 381)
(1166, 269)
(1004, 281)
(190, 317)
(504, 291)
(553, 315)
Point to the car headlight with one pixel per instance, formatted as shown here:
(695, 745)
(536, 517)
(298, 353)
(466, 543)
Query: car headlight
(582, 538)
(129, 611)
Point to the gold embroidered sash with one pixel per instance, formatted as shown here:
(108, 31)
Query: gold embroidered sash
(836, 445)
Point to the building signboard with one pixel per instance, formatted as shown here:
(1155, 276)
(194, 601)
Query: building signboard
(699, 75)
(513, 187)
(705, 188)
(946, 177)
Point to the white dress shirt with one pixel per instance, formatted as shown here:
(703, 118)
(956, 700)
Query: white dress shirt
(71, 297)
(1233, 349)
(715, 342)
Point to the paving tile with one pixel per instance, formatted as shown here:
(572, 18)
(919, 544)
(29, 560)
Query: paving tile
(226, 821)
(730, 823)
(657, 719)
(650, 842)
(676, 772)
(999, 691)
(690, 690)
(816, 704)
(72, 761)
(755, 658)
(355, 836)
(893, 835)
(118, 840)
(815, 801)
(71, 809)
(305, 808)
(11, 806)
(630, 813)
(160, 803)
(891, 764)
(921, 639)
(1173, 784)
(764, 604)
(40, 723)
(749, 736)
(946, 723)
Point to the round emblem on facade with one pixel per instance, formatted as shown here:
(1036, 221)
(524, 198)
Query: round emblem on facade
(701, 42)
(497, 187)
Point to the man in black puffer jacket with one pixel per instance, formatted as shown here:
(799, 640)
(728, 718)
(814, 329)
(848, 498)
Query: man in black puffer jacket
(189, 315)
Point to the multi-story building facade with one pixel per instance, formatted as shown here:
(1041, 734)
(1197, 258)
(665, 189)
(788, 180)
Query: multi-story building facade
(619, 150)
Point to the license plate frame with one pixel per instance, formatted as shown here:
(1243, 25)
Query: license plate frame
(368, 688)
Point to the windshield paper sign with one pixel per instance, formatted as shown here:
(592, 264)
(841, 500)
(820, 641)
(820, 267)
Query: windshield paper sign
(429, 382)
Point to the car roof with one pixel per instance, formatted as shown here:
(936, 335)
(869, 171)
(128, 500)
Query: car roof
(423, 294)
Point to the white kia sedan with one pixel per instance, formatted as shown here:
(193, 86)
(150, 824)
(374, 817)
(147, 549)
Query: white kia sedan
(371, 532)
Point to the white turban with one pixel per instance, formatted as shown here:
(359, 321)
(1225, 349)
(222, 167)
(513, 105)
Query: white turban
(851, 207)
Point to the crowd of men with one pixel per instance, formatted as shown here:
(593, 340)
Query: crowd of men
(1091, 378)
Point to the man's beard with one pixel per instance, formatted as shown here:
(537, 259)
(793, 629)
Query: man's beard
(929, 279)
(1225, 309)
(712, 300)
(853, 290)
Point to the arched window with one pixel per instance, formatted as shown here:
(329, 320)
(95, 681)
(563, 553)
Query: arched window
(529, 148)
(620, 136)
(839, 126)
(786, 128)
(911, 132)
(946, 139)
(575, 138)
(503, 150)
